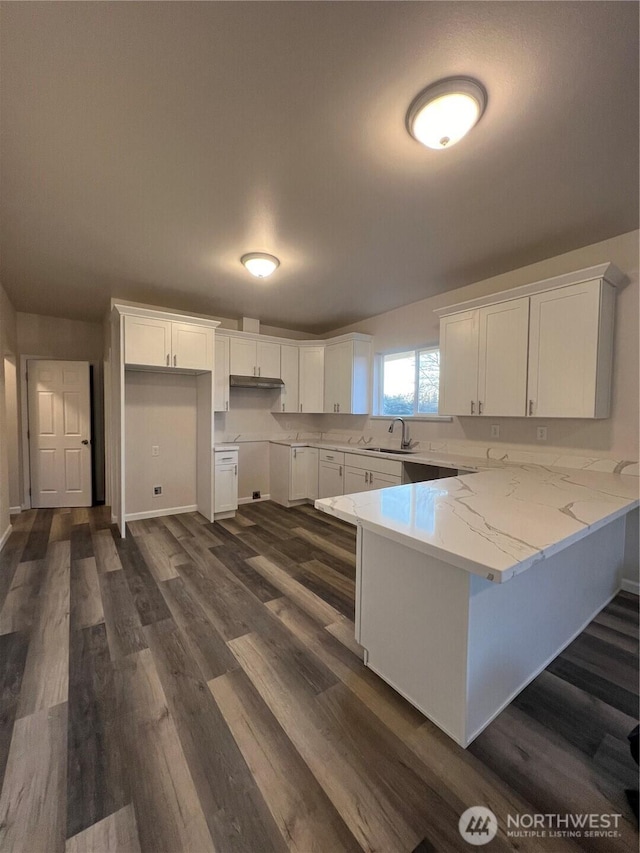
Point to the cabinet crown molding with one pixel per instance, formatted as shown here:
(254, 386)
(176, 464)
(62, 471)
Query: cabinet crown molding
(133, 311)
(607, 272)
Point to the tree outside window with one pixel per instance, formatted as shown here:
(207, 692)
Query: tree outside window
(410, 382)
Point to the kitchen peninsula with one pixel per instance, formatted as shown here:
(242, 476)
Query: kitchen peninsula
(467, 587)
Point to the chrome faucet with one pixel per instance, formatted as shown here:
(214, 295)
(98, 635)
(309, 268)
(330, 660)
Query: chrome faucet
(405, 444)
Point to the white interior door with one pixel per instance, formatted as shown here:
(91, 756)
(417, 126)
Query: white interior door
(59, 433)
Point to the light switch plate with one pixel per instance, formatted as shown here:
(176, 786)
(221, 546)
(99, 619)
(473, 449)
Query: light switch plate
(155, 450)
(541, 433)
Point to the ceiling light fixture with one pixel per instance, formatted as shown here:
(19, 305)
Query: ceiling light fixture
(446, 111)
(260, 264)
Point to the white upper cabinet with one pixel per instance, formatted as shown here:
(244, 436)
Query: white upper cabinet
(502, 358)
(154, 342)
(147, 341)
(192, 346)
(221, 375)
(570, 355)
(311, 379)
(459, 364)
(347, 377)
(250, 357)
(290, 375)
(543, 350)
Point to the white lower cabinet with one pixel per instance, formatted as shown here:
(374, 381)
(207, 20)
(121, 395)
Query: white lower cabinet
(293, 474)
(298, 473)
(330, 474)
(226, 483)
(365, 473)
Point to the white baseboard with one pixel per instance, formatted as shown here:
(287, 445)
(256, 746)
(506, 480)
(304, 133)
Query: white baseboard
(5, 536)
(156, 513)
(254, 500)
(14, 510)
(630, 586)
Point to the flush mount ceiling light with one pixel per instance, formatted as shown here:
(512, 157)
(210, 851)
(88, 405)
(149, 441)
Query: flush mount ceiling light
(446, 111)
(260, 264)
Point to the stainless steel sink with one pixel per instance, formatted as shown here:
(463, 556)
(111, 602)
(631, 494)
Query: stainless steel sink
(386, 450)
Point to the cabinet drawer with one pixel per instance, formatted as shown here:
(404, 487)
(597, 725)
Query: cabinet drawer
(374, 463)
(332, 456)
(226, 457)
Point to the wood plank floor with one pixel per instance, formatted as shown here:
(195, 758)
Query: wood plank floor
(197, 687)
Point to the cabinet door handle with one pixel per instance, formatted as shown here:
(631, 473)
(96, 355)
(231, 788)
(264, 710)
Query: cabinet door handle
(226, 406)
(366, 476)
(226, 458)
(479, 407)
(236, 470)
(168, 359)
(300, 406)
(259, 369)
(473, 406)
(341, 470)
(370, 478)
(175, 361)
(329, 457)
(338, 407)
(283, 407)
(295, 453)
(530, 407)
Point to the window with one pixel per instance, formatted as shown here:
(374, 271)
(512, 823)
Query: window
(409, 382)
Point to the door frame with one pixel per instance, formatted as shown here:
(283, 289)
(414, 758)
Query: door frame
(24, 418)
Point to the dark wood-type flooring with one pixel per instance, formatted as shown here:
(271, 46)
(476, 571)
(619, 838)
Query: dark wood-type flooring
(196, 687)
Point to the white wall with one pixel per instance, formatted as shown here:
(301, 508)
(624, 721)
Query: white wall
(161, 410)
(12, 421)
(416, 325)
(8, 347)
(74, 340)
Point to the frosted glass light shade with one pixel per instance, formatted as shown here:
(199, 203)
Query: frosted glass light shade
(445, 112)
(260, 264)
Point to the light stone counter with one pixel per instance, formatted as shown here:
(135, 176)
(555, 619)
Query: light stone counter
(496, 523)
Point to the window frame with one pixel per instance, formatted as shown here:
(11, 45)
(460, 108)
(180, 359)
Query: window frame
(379, 385)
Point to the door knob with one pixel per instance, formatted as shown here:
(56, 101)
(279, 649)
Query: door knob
(85, 441)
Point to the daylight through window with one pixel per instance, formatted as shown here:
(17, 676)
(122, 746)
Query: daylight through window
(409, 382)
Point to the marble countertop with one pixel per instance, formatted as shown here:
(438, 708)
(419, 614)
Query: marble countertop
(495, 523)
(225, 448)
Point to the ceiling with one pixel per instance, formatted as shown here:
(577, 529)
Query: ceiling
(147, 146)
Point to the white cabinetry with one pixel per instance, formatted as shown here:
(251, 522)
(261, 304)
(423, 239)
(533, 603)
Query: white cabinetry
(311, 379)
(570, 354)
(293, 474)
(346, 377)
(226, 483)
(290, 375)
(148, 346)
(483, 360)
(251, 357)
(330, 474)
(365, 473)
(221, 375)
(154, 342)
(541, 350)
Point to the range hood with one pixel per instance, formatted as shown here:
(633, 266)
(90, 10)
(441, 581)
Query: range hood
(236, 381)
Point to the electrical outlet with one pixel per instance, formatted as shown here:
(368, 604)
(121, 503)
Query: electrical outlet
(495, 430)
(541, 433)
(155, 450)
(256, 496)
(157, 490)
